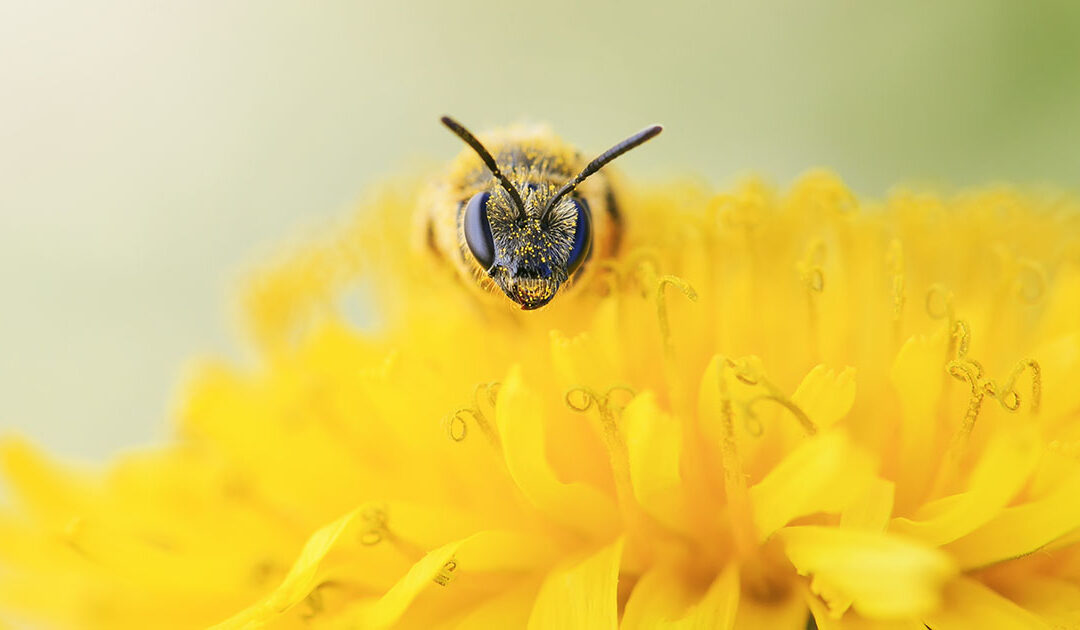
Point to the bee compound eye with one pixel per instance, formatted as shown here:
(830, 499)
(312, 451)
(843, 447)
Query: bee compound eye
(478, 230)
(579, 251)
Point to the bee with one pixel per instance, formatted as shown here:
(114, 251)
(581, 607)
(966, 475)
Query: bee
(521, 218)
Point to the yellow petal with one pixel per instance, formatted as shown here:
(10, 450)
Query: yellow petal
(1058, 312)
(576, 505)
(1056, 601)
(710, 402)
(825, 620)
(822, 475)
(582, 596)
(970, 604)
(661, 600)
(386, 610)
(504, 550)
(52, 494)
(658, 598)
(654, 444)
(870, 509)
(826, 396)
(717, 609)
(787, 613)
(1002, 471)
(917, 376)
(579, 361)
(1022, 529)
(1060, 361)
(301, 579)
(509, 609)
(884, 575)
(458, 568)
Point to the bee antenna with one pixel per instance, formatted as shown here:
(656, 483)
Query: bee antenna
(489, 161)
(638, 138)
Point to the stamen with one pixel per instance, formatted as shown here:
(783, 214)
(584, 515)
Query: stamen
(672, 376)
(752, 423)
(581, 399)
(446, 573)
(609, 272)
(643, 255)
(744, 207)
(809, 267)
(377, 530)
(813, 278)
(456, 427)
(490, 390)
(784, 402)
(735, 487)
(939, 303)
(746, 373)
(971, 372)
(620, 388)
(375, 519)
(960, 339)
(645, 273)
(1008, 396)
(661, 305)
(314, 603)
(639, 265)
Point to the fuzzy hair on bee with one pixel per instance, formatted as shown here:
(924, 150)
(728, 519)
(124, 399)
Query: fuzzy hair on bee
(518, 214)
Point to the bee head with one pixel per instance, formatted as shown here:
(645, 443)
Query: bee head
(530, 246)
(527, 254)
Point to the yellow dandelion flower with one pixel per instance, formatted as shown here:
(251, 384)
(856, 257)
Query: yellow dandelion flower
(770, 408)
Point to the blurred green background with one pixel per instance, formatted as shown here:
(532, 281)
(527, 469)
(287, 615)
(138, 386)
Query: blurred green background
(148, 152)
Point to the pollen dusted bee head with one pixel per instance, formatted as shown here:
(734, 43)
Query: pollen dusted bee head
(530, 241)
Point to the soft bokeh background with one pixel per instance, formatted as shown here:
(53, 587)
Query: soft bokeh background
(146, 152)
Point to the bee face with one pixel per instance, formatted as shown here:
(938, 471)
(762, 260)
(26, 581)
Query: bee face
(519, 222)
(527, 254)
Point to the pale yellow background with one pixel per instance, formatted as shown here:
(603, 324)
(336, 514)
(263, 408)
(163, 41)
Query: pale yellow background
(149, 149)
